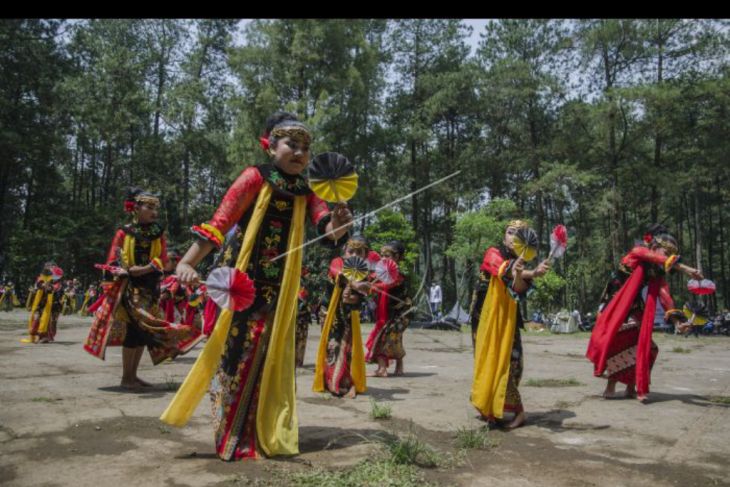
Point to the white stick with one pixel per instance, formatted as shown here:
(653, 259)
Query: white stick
(366, 215)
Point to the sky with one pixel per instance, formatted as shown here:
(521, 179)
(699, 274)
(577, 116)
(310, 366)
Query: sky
(476, 24)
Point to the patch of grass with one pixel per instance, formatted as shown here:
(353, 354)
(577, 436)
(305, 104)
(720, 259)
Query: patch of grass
(564, 404)
(371, 473)
(46, 399)
(240, 480)
(164, 430)
(574, 355)
(474, 439)
(395, 464)
(720, 399)
(552, 382)
(411, 450)
(171, 383)
(681, 350)
(379, 411)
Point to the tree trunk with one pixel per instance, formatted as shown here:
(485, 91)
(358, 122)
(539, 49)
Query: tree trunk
(657, 135)
(721, 226)
(698, 233)
(186, 187)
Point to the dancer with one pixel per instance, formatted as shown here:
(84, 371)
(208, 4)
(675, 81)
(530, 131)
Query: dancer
(340, 364)
(385, 341)
(621, 347)
(129, 314)
(250, 354)
(498, 358)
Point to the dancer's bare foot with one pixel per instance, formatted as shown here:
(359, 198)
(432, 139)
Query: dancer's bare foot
(610, 391)
(398, 368)
(643, 398)
(378, 373)
(352, 393)
(518, 421)
(130, 385)
(613, 396)
(142, 383)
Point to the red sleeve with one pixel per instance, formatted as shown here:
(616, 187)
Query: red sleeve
(335, 268)
(642, 254)
(317, 207)
(236, 201)
(664, 297)
(115, 250)
(492, 262)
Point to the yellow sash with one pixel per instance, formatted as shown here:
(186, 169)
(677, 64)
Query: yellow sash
(46, 316)
(277, 427)
(493, 350)
(86, 301)
(192, 390)
(128, 250)
(276, 421)
(357, 367)
(36, 301)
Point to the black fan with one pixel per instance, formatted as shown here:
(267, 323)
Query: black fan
(332, 177)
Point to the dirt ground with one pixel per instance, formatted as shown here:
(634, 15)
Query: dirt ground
(64, 420)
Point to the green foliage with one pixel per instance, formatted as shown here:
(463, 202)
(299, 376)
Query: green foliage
(681, 350)
(368, 473)
(547, 293)
(379, 411)
(720, 400)
(474, 438)
(391, 225)
(474, 232)
(411, 450)
(604, 125)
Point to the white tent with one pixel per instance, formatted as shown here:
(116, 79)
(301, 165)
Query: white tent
(457, 314)
(564, 323)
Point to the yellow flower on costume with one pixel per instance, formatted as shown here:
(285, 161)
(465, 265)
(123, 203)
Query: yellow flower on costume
(281, 205)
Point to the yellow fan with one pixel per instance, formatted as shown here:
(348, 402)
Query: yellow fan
(525, 243)
(332, 177)
(355, 268)
(694, 318)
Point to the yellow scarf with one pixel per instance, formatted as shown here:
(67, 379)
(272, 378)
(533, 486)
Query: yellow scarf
(493, 350)
(128, 250)
(357, 367)
(46, 316)
(276, 420)
(37, 301)
(86, 301)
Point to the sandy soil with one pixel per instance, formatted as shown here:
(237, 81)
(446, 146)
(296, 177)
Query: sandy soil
(64, 420)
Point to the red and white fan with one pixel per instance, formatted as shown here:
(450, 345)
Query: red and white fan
(56, 273)
(558, 242)
(704, 286)
(372, 259)
(386, 270)
(230, 288)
